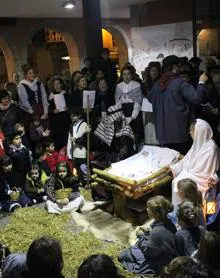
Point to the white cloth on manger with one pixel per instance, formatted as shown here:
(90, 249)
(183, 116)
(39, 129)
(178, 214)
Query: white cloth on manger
(149, 160)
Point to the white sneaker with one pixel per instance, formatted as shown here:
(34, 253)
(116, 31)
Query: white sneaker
(34, 201)
(44, 198)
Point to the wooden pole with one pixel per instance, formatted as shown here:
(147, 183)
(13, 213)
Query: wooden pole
(194, 26)
(88, 143)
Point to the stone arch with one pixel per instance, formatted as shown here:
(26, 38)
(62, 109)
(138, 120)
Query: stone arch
(123, 43)
(9, 58)
(74, 63)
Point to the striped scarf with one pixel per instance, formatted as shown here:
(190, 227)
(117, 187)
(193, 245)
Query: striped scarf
(106, 129)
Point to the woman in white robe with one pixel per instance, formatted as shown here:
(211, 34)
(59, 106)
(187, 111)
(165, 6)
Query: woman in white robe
(201, 162)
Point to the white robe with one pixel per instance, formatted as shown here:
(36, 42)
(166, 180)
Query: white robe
(201, 162)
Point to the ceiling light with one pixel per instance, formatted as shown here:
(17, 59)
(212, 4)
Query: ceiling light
(65, 58)
(69, 5)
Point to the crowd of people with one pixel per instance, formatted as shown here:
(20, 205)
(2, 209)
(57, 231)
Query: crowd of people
(44, 135)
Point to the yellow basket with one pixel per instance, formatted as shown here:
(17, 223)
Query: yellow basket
(63, 193)
(15, 194)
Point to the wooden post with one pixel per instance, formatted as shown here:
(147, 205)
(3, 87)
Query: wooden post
(88, 143)
(194, 26)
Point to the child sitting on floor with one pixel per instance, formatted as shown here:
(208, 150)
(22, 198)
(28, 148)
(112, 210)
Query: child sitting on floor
(34, 186)
(51, 156)
(156, 248)
(76, 146)
(62, 191)
(188, 191)
(188, 237)
(11, 197)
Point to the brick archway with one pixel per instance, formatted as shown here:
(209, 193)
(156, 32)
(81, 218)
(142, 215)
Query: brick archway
(9, 58)
(122, 43)
(73, 50)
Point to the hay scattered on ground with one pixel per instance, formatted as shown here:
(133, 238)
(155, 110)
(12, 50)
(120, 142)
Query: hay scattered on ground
(86, 194)
(30, 223)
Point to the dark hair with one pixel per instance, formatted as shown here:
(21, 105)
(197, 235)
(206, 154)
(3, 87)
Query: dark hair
(46, 145)
(65, 165)
(79, 79)
(190, 190)
(130, 69)
(73, 85)
(5, 161)
(13, 89)
(25, 68)
(98, 266)
(52, 81)
(34, 166)
(40, 150)
(44, 258)
(184, 267)
(187, 213)
(160, 207)
(148, 82)
(101, 79)
(208, 250)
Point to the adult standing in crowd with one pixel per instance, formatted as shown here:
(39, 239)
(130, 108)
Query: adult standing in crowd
(151, 75)
(129, 94)
(59, 117)
(108, 66)
(173, 100)
(32, 94)
(10, 114)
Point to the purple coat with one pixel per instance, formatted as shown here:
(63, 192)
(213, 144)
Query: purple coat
(174, 110)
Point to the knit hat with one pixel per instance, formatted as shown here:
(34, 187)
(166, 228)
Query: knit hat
(171, 61)
(3, 94)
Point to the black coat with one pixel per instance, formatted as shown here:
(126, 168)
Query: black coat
(110, 71)
(10, 117)
(153, 250)
(20, 164)
(59, 124)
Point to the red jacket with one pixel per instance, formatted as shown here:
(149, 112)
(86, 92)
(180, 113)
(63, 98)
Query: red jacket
(52, 161)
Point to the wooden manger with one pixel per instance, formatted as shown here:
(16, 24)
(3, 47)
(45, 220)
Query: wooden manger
(130, 196)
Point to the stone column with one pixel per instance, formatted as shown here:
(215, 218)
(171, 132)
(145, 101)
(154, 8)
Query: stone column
(93, 27)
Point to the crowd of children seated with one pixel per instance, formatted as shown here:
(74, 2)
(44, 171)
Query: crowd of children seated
(43, 137)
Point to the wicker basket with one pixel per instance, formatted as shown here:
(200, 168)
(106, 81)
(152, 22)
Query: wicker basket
(15, 194)
(63, 193)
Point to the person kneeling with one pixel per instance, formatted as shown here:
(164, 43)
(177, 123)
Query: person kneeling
(154, 249)
(62, 191)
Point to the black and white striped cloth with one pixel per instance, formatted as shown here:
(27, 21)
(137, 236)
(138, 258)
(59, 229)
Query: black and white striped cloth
(106, 130)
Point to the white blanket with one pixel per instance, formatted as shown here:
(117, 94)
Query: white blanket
(145, 163)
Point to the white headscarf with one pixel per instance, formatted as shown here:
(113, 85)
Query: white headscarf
(202, 161)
